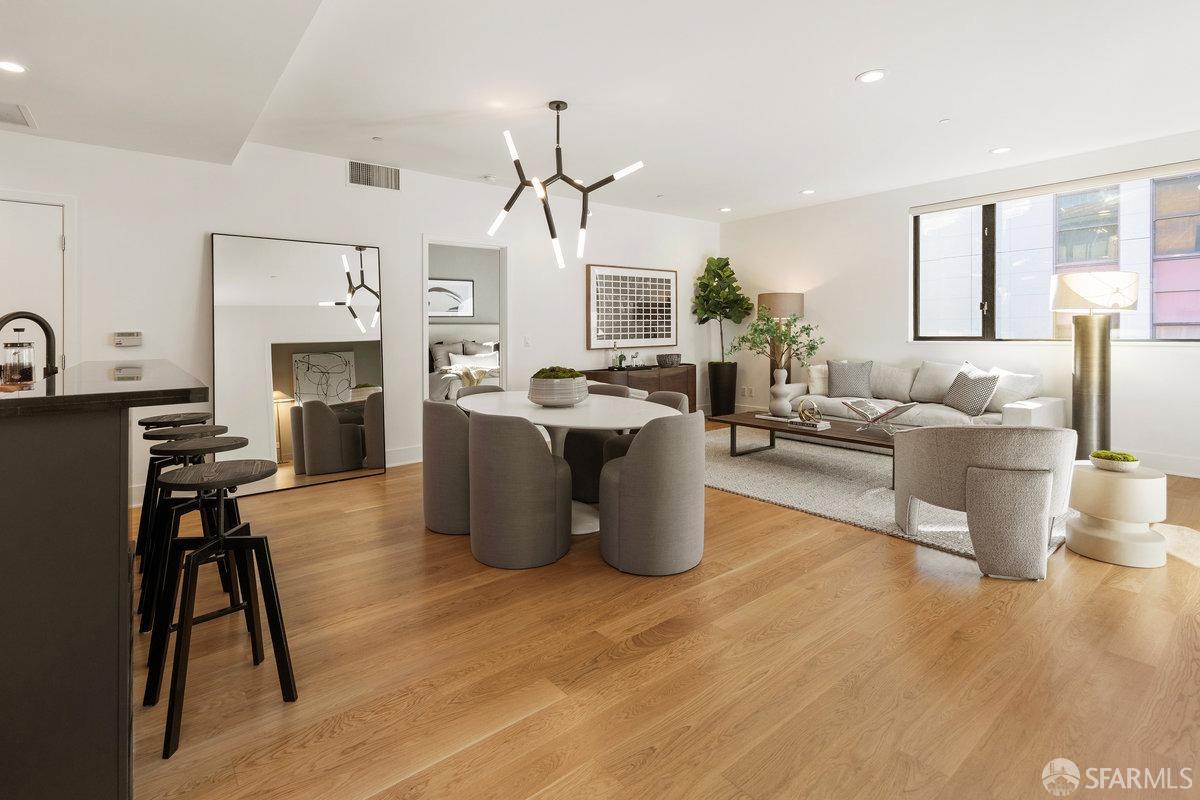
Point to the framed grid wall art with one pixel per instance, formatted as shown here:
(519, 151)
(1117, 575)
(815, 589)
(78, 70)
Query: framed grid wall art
(631, 307)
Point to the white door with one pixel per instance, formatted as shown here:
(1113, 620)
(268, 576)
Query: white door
(31, 272)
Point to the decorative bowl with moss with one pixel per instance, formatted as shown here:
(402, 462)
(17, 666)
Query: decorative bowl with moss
(557, 387)
(1114, 460)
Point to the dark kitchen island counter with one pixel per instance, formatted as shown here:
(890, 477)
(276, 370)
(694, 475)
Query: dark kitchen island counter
(66, 577)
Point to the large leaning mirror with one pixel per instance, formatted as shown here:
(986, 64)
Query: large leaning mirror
(298, 356)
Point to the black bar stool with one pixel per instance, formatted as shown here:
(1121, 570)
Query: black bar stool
(167, 512)
(184, 556)
(147, 423)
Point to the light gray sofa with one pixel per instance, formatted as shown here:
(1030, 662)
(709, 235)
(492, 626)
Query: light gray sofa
(1011, 482)
(1015, 401)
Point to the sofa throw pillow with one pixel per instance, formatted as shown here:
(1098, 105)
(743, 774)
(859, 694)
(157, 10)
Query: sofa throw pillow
(971, 390)
(1013, 386)
(479, 360)
(892, 383)
(818, 379)
(441, 353)
(850, 379)
(475, 348)
(933, 381)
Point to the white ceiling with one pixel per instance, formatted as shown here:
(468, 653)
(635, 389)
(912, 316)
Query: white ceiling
(176, 77)
(729, 104)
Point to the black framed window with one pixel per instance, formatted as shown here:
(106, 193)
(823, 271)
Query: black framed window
(985, 272)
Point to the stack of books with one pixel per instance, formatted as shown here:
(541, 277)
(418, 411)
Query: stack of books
(819, 425)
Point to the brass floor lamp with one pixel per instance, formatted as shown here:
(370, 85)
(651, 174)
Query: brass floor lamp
(1095, 296)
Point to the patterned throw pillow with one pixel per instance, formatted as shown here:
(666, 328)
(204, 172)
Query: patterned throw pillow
(971, 390)
(850, 379)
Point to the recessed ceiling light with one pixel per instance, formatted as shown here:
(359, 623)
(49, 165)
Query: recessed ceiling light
(725, 210)
(11, 66)
(870, 76)
(808, 191)
(999, 151)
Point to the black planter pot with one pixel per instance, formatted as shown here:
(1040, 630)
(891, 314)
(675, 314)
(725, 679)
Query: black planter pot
(722, 386)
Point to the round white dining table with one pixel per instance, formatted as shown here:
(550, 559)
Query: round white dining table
(595, 412)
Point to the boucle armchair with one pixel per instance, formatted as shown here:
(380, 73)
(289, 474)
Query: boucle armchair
(1011, 482)
(326, 444)
(652, 499)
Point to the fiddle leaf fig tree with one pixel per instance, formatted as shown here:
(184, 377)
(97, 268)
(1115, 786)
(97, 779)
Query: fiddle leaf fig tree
(719, 296)
(779, 339)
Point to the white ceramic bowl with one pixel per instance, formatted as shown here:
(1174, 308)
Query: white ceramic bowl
(557, 392)
(1114, 466)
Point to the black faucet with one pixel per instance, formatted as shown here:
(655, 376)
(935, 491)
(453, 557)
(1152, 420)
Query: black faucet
(51, 368)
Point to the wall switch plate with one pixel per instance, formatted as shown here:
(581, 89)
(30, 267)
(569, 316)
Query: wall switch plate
(127, 339)
(527, 341)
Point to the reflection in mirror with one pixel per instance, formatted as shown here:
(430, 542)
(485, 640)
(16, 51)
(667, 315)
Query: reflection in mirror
(297, 356)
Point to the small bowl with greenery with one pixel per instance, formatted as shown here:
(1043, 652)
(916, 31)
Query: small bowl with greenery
(1114, 460)
(557, 387)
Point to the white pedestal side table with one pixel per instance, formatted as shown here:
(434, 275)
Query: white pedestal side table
(1115, 512)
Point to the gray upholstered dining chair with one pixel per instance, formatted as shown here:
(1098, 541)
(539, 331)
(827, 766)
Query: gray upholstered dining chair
(445, 478)
(618, 446)
(584, 451)
(1011, 481)
(325, 444)
(652, 499)
(467, 391)
(520, 495)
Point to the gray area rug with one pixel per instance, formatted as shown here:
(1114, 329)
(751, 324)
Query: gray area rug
(837, 483)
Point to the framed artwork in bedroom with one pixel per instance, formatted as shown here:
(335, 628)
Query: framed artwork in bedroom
(631, 307)
(450, 297)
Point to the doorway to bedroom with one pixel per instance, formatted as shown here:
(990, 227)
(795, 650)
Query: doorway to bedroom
(465, 332)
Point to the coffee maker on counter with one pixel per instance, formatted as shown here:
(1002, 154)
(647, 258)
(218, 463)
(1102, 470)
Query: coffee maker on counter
(17, 367)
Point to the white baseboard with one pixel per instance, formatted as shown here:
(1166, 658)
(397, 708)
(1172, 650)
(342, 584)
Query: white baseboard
(404, 455)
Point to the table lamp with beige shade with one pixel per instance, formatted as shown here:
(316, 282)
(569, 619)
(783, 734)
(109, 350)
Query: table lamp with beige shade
(1094, 297)
(782, 305)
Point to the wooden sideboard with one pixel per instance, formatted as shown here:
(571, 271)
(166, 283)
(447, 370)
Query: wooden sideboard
(652, 379)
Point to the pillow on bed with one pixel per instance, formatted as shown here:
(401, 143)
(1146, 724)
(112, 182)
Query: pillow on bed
(475, 348)
(479, 360)
(441, 353)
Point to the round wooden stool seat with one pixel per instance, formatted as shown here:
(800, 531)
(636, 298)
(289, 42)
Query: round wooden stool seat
(199, 447)
(172, 420)
(217, 475)
(185, 432)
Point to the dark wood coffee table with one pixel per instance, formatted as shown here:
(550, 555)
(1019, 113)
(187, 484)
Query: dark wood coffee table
(839, 432)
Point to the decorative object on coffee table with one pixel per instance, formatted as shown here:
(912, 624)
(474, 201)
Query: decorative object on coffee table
(718, 295)
(874, 417)
(1116, 512)
(1114, 461)
(1097, 295)
(557, 387)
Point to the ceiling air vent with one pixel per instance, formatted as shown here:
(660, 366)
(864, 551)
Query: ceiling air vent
(13, 114)
(374, 175)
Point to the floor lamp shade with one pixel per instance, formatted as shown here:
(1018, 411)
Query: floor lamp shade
(1097, 296)
(783, 304)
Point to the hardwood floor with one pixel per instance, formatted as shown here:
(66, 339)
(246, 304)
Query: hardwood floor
(802, 657)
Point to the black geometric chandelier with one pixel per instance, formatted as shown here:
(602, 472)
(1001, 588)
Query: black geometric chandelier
(352, 289)
(540, 186)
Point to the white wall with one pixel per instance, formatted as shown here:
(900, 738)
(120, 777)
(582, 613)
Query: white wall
(142, 239)
(852, 259)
